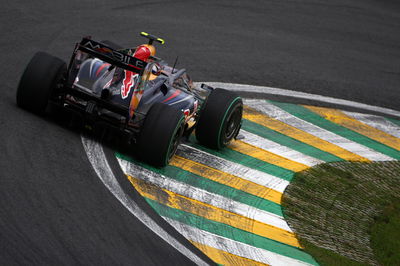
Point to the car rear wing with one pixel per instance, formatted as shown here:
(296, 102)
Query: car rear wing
(112, 56)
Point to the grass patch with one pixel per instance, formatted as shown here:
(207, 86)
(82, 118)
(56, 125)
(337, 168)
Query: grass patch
(328, 257)
(334, 207)
(385, 235)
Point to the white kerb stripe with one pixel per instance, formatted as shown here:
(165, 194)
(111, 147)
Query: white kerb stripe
(231, 246)
(287, 118)
(278, 149)
(100, 164)
(377, 122)
(301, 95)
(255, 176)
(203, 196)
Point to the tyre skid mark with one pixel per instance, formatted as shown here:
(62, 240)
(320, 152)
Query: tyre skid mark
(263, 179)
(232, 246)
(230, 232)
(221, 257)
(210, 212)
(203, 195)
(226, 179)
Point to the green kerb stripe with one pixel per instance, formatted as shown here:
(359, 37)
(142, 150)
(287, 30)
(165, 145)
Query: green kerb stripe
(309, 116)
(394, 121)
(292, 143)
(245, 160)
(194, 180)
(230, 232)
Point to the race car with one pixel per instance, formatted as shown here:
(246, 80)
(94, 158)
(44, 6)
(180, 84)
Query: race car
(134, 91)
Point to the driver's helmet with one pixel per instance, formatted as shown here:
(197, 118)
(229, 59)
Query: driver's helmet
(144, 51)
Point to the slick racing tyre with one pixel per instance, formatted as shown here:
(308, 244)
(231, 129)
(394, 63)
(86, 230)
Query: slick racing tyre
(41, 77)
(161, 133)
(220, 119)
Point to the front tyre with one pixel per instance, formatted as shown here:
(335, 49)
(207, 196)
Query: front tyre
(161, 134)
(39, 80)
(220, 119)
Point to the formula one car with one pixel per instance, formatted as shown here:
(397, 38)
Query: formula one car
(134, 91)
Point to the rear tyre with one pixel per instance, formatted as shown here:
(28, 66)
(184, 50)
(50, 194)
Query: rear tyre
(161, 134)
(220, 119)
(43, 75)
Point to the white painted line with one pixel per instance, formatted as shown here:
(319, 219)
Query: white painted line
(289, 119)
(203, 195)
(278, 149)
(377, 122)
(232, 246)
(255, 176)
(100, 164)
(301, 95)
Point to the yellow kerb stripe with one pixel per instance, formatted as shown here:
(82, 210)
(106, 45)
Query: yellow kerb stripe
(342, 119)
(266, 121)
(223, 257)
(227, 179)
(213, 213)
(266, 156)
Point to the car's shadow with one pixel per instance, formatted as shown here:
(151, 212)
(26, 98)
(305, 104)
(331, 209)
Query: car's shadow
(110, 137)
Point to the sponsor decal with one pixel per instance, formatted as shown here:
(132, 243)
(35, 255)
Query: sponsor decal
(129, 82)
(129, 60)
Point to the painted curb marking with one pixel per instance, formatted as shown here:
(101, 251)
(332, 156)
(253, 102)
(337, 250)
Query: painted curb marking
(181, 198)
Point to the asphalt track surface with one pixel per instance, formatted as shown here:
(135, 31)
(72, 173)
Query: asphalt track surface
(53, 207)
